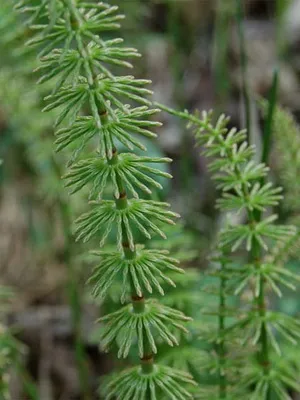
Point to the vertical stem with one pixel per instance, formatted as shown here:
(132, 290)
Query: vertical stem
(74, 293)
(180, 35)
(221, 328)
(261, 301)
(263, 352)
(220, 56)
(175, 34)
(281, 6)
(138, 303)
(102, 118)
(268, 128)
(263, 355)
(243, 55)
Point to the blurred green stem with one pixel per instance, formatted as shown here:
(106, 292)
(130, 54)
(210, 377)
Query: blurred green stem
(243, 60)
(260, 304)
(220, 56)
(221, 328)
(263, 352)
(268, 128)
(261, 301)
(281, 6)
(180, 35)
(73, 291)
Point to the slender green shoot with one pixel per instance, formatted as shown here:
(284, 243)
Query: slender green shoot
(244, 63)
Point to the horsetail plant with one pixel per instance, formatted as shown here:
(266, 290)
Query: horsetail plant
(244, 190)
(93, 113)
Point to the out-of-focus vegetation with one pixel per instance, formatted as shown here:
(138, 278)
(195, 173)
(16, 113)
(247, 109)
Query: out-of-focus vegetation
(199, 55)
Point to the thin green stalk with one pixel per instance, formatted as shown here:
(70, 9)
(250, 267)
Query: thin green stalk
(180, 38)
(263, 355)
(243, 59)
(260, 300)
(73, 293)
(220, 61)
(176, 34)
(221, 329)
(138, 302)
(264, 351)
(268, 128)
(281, 6)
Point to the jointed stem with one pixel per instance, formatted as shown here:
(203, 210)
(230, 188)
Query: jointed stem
(101, 117)
(256, 216)
(73, 292)
(263, 354)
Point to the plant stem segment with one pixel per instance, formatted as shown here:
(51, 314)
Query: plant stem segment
(243, 55)
(221, 328)
(221, 51)
(73, 292)
(263, 353)
(101, 118)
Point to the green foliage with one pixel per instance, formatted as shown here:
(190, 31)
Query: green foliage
(21, 101)
(10, 348)
(137, 213)
(287, 144)
(93, 112)
(243, 188)
(287, 149)
(121, 128)
(124, 326)
(133, 171)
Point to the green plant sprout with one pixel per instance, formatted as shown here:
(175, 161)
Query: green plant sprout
(94, 111)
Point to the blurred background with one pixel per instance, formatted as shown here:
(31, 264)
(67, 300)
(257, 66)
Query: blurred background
(199, 54)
